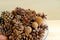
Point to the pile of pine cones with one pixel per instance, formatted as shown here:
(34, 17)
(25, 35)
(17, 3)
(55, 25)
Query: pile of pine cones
(21, 24)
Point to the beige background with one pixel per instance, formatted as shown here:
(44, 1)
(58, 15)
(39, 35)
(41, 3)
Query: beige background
(54, 30)
(50, 7)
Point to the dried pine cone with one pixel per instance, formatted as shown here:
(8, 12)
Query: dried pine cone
(21, 24)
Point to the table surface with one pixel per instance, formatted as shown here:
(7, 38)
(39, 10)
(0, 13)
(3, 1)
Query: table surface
(54, 30)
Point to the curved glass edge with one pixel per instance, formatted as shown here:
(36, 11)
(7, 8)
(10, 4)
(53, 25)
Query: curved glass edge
(45, 35)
